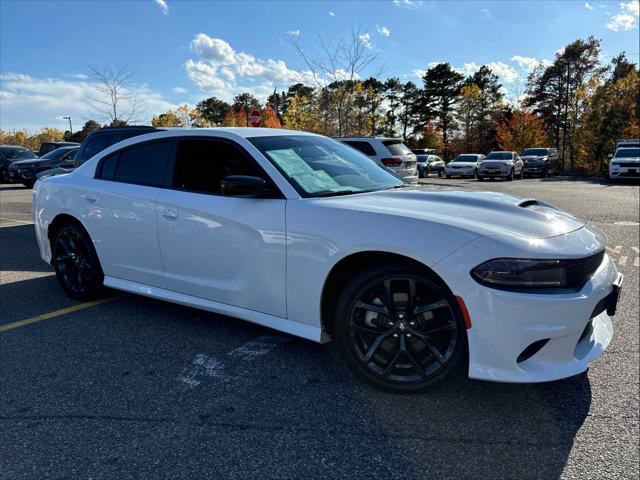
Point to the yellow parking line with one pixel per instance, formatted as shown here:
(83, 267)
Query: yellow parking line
(55, 313)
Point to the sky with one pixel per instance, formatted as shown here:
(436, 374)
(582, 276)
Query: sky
(185, 51)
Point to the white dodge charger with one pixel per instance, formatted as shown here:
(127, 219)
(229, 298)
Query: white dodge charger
(303, 234)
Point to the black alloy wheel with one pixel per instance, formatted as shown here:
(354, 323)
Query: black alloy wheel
(76, 263)
(398, 330)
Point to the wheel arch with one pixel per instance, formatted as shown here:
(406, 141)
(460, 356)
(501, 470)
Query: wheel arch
(343, 270)
(61, 219)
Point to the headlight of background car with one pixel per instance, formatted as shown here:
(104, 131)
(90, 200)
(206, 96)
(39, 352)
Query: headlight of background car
(521, 273)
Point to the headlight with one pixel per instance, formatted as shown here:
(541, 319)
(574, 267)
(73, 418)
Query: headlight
(521, 273)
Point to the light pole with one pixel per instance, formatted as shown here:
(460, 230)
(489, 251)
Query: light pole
(67, 117)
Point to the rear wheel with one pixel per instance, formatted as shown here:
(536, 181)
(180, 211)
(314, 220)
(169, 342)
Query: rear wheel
(76, 263)
(399, 330)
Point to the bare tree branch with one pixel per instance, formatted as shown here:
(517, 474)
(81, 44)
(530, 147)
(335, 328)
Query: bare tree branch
(115, 101)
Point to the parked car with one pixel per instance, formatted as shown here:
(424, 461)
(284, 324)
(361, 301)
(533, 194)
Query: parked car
(628, 143)
(389, 153)
(25, 171)
(302, 234)
(422, 160)
(10, 154)
(465, 165)
(541, 161)
(501, 164)
(625, 164)
(47, 147)
(97, 141)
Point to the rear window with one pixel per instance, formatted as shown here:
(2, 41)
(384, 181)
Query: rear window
(95, 144)
(396, 147)
(364, 147)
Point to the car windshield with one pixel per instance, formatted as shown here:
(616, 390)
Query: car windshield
(500, 156)
(628, 153)
(319, 167)
(535, 151)
(465, 158)
(17, 153)
(55, 154)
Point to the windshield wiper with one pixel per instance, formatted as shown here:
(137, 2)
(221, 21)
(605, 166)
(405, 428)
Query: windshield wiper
(331, 193)
(401, 185)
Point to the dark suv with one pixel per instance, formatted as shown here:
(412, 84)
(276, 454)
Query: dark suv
(541, 161)
(97, 141)
(10, 154)
(47, 147)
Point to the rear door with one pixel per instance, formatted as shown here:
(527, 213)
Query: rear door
(225, 249)
(121, 211)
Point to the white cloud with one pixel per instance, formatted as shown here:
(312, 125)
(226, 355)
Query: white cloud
(626, 18)
(35, 102)
(222, 71)
(365, 38)
(407, 3)
(382, 30)
(293, 33)
(588, 6)
(332, 14)
(418, 72)
(163, 6)
(506, 73)
(529, 63)
(179, 90)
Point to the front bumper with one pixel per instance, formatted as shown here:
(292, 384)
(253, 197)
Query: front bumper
(460, 172)
(494, 172)
(574, 325)
(20, 175)
(534, 169)
(624, 172)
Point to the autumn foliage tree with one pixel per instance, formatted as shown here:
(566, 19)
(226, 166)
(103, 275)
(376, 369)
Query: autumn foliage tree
(270, 117)
(521, 130)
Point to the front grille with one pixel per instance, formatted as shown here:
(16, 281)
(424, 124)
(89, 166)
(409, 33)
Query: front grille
(580, 270)
(630, 165)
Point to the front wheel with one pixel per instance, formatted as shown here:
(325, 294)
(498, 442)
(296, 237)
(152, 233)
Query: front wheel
(76, 263)
(511, 176)
(399, 330)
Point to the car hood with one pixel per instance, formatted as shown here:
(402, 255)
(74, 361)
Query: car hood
(533, 158)
(462, 164)
(34, 161)
(484, 213)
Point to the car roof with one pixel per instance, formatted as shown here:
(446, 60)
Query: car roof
(245, 132)
(369, 138)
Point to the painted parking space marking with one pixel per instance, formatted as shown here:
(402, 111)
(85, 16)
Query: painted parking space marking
(54, 314)
(202, 366)
(622, 261)
(616, 249)
(258, 347)
(630, 258)
(12, 222)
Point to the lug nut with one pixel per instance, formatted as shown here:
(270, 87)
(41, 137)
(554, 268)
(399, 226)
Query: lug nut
(412, 324)
(395, 335)
(390, 324)
(409, 335)
(401, 316)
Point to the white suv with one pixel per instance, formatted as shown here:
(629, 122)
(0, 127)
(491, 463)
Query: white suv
(390, 153)
(625, 163)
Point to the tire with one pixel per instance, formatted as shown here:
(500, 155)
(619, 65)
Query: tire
(521, 176)
(387, 347)
(76, 263)
(475, 174)
(545, 173)
(448, 176)
(511, 176)
(28, 184)
(440, 172)
(480, 178)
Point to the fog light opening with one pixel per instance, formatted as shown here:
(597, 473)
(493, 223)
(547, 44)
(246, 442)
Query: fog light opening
(531, 350)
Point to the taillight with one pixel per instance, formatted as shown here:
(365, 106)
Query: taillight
(392, 161)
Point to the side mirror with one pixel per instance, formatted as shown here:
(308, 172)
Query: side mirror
(610, 155)
(244, 186)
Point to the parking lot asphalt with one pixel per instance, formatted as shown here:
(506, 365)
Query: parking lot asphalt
(138, 388)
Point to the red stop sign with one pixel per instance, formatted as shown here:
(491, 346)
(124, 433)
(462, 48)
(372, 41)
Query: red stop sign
(255, 119)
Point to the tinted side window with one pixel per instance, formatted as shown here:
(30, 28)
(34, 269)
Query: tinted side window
(96, 144)
(108, 166)
(364, 147)
(145, 163)
(202, 163)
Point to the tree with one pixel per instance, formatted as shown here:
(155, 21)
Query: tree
(246, 103)
(334, 71)
(438, 99)
(393, 94)
(470, 116)
(115, 101)
(270, 117)
(235, 118)
(210, 112)
(408, 116)
(304, 114)
(521, 130)
(552, 92)
(167, 119)
(490, 104)
(80, 135)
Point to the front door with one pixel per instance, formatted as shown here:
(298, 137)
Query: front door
(225, 249)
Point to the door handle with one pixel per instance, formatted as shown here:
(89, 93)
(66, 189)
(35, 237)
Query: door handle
(169, 213)
(90, 197)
